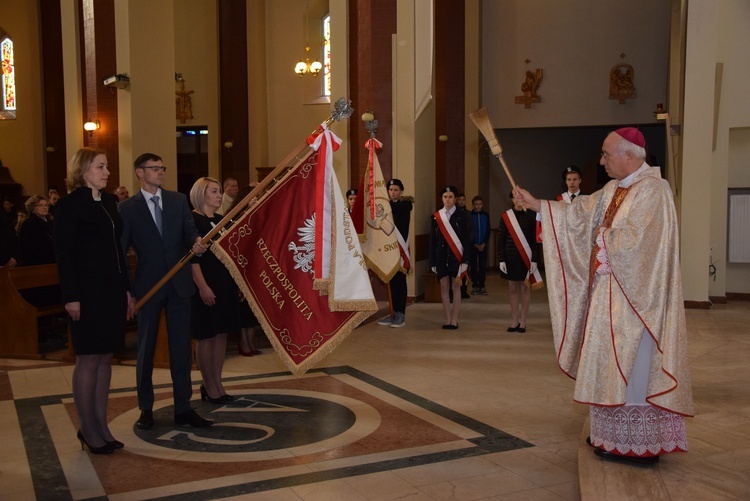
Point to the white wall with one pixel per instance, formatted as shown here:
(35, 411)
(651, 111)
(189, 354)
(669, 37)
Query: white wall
(731, 167)
(739, 157)
(738, 274)
(575, 42)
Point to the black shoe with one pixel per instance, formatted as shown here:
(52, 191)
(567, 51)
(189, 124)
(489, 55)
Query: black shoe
(447, 327)
(514, 329)
(520, 329)
(636, 460)
(191, 418)
(104, 449)
(146, 421)
(115, 444)
(228, 398)
(206, 398)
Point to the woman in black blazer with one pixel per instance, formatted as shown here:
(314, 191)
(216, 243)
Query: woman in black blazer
(37, 247)
(95, 290)
(36, 233)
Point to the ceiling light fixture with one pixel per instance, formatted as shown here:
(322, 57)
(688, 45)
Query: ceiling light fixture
(304, 67)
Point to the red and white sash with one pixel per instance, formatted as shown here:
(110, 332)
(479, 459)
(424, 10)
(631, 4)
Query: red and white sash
(450, 236)
(403, 247)
(511, 222)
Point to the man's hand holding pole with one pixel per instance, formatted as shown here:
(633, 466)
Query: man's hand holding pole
(528, 201)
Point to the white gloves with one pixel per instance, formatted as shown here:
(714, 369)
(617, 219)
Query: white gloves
(504, 267)
(532, 270)
(434, 269)
(462, 269)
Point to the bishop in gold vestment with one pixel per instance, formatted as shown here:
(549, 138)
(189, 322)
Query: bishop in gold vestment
(615, 294)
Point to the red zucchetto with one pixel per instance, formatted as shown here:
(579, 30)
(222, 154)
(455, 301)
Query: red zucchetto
(633, 135)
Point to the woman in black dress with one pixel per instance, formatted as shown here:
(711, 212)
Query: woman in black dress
(215, 307)
(95, 290)
(513, 267)
(248, 321)
(450, 239)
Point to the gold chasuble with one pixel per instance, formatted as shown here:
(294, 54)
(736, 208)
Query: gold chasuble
(598, 320)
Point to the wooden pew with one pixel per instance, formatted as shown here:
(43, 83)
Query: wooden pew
(19, 333)
(19, 336)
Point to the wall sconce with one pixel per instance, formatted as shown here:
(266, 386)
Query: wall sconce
(229, 144)
(90, 127)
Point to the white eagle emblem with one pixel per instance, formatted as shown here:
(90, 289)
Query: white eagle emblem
(304, 254)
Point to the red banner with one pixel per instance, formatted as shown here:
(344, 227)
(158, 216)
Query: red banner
(271, 253)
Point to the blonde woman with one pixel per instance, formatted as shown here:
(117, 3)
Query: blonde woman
(215, 307)
(95, 290)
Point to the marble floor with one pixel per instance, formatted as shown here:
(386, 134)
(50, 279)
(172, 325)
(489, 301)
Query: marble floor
(415, 413)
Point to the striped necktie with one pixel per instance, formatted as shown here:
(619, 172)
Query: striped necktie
(157, 213)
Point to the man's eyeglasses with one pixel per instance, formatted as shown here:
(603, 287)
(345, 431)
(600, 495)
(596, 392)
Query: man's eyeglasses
(155, 168)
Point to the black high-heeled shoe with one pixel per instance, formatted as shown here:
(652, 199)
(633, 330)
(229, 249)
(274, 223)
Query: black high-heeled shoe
(206, 398)
(104, 449)
(228, 398)
(115, 444)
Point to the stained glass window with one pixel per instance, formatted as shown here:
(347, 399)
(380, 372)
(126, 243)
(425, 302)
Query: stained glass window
(327, 55)
(8, 81)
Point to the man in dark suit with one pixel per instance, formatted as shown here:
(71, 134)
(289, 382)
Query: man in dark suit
(160, 228)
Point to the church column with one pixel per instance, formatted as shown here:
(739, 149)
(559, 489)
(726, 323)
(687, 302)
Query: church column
(702, 34)
(233, 90)
(147, 106)
(414, 137)
(371, 29)
(476, 177)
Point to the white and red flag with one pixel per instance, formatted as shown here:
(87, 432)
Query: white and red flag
(373, 219)
(276, 250)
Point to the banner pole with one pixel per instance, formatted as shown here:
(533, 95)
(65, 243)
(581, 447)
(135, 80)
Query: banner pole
(342, 110)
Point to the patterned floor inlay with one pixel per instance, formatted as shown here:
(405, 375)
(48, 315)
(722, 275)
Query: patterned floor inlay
(281, 431)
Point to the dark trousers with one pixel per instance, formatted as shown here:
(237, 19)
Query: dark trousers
(478, 267)
(180, 357)
(398, 292)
